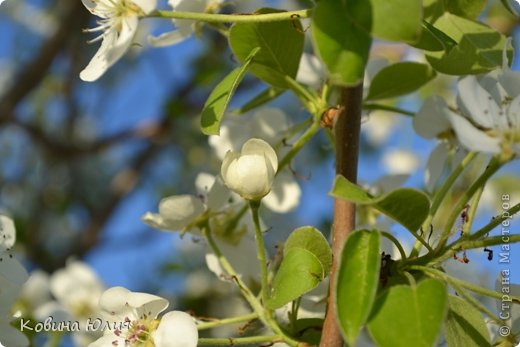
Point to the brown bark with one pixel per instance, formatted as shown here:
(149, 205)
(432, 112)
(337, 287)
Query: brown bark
(346, 130)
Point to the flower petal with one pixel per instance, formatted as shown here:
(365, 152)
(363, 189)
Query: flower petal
(146, 5)
(7, 232)
(11, 336)
(475, 102)
(179, 211)
(260, 147)
(284, 195)
(112, 48)
(177, 329)
(472, 138)
(431, 120)
(435, 165)
(147, 305)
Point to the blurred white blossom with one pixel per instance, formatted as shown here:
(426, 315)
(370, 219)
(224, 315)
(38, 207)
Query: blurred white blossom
(118, 26)
(398, 161)
(181, 212)
(486, 117)
(184, 28)
(12, 276)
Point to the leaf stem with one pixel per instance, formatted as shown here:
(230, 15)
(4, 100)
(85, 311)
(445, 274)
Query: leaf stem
(492, 167)
(237, 341)
(260, 250)
(441, 195)
(234, 18)
(298, 145)
(469, 286)
(372, 107)
(220, 322)
(395, 242)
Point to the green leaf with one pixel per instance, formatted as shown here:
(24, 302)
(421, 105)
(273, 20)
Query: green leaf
(404, 315)
(407, 206)
(218, 100)
(260, 99)
(399, 79)
(384, 14)
(307, 260)
(308, 330)
(432, 39)
(281, 46)
(311, 239)
(343, 48)
(478, 47)
(299, 272)
(465, 8)
(357, 281)
(464, 325)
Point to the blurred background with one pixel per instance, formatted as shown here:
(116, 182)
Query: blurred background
(80, 163)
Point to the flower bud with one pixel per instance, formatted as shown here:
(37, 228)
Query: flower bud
(251, 172)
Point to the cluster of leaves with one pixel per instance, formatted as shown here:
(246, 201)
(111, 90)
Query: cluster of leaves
(407, 309)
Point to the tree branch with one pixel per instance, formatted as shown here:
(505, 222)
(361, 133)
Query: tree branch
(346, 130)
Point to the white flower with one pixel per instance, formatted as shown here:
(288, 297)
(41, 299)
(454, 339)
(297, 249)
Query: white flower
(12, 277)
(180, 212)
(135, 317)
(77, 288)
(118, 25)
(270, 124)
(487, 116)
(250, 172)
(184, 28)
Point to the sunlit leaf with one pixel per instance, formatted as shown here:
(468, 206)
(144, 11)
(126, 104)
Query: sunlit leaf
(407, 206)
(357, 281)
(405, 315)
(465, 325)
(218, 100)
(281, 47)
(399, 79)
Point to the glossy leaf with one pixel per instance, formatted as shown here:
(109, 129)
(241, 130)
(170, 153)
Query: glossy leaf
(281, 47)
(405, 315)
(299, 272)
(307, 259)
(465, 8)
(399, 79)
(478, 47)
(432, 39)
(357, 281)
(464, 325)
(311, 239)
(407, 206)
(383, 23)
(218, 100)
(343, 48)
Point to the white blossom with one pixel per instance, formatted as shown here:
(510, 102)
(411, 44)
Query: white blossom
(181, 212)
(135, 317)
(270, 124)
(184, 28)
(118, 26)
(12, 276)
(250, 172)
(486, 117)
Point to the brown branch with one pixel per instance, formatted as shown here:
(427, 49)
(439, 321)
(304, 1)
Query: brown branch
(346, 130)
(74, 16)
